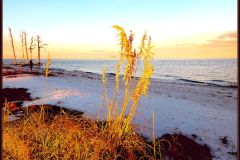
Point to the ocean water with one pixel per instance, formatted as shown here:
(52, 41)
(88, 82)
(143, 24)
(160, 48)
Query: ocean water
(208, 71)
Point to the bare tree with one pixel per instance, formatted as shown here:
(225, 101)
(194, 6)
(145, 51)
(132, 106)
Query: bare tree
(26, 49)
(14, 54)
(39, 45)
(32, 46)
(22, 42)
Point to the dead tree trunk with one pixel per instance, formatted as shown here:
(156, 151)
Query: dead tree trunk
(22, 41)
(14, 54)
(32, 46)
(26, 49)
(39, 48)
(38, 45)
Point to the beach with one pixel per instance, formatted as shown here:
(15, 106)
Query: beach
(205, 113)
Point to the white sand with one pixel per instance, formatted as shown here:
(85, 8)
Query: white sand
(210, 112)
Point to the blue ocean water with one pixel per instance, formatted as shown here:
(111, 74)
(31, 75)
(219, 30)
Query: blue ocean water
(207, 71)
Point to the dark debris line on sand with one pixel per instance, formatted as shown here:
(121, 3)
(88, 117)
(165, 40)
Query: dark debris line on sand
(14, 97)
(13, 71)
(15, 94)
(180, 147)
(17, 70)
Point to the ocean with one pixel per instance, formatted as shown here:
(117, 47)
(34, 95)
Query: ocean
(205, 71)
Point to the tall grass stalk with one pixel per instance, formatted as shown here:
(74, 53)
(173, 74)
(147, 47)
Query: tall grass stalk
(42, 112)
(153, 136)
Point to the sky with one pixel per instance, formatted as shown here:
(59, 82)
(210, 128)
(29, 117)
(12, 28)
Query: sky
(81, 29)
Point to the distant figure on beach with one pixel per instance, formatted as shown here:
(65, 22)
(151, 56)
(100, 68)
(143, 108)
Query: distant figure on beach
(31, 65)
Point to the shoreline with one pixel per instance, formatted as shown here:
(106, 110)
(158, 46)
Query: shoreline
(210, 112)
(165, 78)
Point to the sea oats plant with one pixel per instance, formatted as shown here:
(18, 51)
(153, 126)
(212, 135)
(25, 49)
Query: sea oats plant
(134, 87)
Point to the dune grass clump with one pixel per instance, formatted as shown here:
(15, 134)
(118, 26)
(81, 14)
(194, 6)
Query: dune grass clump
(121, 112)
(66, 137)
(40, 135)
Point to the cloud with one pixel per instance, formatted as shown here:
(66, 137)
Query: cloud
(222, 46)
(229, 35)
(228, 39)
(98, 51)
(220, 43)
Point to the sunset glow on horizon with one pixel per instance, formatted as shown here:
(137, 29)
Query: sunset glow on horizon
(198, 29)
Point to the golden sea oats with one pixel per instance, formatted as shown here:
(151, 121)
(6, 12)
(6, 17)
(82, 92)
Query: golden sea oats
(133, 89)
(48, 65)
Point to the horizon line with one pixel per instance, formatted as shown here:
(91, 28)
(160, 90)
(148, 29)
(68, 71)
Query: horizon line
(118, 59)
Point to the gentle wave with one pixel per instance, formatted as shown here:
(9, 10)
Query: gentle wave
(213, 82)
